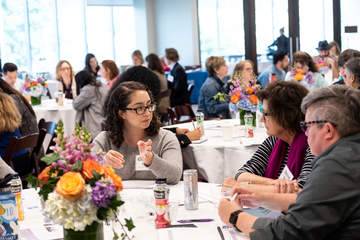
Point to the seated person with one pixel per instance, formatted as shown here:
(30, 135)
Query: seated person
(213, 85)
(185, 136)
(10, 75)
(133, 132)
(89, 103)
(286, 149)
(278, 67)
(145, 76)
(65, 76)
(328, 207)
(10, 120)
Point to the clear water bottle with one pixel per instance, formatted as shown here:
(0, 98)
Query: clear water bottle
(200, 122)
(249, 118)
(161, 194)
(191, 189)
(259, 122)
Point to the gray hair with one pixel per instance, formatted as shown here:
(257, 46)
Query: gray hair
(337, 104)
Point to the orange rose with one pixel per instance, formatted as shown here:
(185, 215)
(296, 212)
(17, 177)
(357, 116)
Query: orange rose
(44, 175)
(249, 90)
(253, 99)
(89, 166)
(71, 185)
(234, 99)
(116, 179)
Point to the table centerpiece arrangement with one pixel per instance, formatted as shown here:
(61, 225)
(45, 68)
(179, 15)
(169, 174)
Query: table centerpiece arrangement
(35, 89)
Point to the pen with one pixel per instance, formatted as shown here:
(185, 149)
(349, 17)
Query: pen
(220, 233)
(193, 124)
(234, 197)
(196, 220)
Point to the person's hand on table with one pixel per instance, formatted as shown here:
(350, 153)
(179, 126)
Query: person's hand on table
(180, 131)
(145, 150)
(226, 207)
(228, 183)
(286, 186)
(194, 134)
(114, 159)
(248, 198)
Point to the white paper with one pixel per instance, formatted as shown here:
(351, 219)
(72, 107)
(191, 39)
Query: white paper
(286, 174)
(139, 164)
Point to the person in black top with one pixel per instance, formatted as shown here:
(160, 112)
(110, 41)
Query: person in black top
(91, 64)
(282, 42)
(177, 79)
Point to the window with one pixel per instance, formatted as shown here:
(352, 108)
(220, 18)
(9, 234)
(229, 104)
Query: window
(221, 29)
(43, 32)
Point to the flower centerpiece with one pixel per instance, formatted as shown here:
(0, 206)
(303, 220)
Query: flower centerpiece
(35, 89)
(305, 78)
(77, 191)
(243, 97)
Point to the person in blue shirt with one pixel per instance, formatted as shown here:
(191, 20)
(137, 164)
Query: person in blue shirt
(209, 104)
(278, 67)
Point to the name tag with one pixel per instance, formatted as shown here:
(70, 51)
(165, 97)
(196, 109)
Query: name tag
(170, 78)
(286, 174)
(139, 164)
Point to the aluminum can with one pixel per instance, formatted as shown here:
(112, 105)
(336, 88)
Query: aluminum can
(191, 189)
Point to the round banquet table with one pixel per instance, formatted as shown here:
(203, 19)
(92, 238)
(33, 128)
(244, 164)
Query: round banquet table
(51, 111)
(217, 156)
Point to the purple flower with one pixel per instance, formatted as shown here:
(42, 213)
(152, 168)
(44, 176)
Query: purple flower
(102, 193)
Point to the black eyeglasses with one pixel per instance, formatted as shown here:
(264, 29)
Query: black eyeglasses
(141, 110)
(266, 114)
(305, 125)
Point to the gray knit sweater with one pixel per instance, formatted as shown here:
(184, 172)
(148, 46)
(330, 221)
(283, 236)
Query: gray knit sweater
(167, 162)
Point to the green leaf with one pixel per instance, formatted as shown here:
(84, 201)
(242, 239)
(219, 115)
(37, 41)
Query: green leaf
(77, 166)
(129, 224)
(33, 181)
(48, 188)
(115, 203)
(50, 158)
(116, 236)
(102, 213)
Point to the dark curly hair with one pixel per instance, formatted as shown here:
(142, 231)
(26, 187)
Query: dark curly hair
(117, 101)
(305, 59)
(284, 101)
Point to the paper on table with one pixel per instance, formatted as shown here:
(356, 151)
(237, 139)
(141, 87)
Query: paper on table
(134, 184)
(201, 140)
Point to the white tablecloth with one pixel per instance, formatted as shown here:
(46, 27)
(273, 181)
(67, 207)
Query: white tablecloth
(139, 203)
(50, 111)
(217, 157)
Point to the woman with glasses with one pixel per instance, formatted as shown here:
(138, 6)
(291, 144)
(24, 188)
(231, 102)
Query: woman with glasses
(285, 154)
(133, 141)
(65, 76)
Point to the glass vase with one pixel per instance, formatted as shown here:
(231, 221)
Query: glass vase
(95, 231)
(35, 100)
(242, 113)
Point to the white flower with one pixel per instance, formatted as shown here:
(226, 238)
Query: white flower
(75, 215)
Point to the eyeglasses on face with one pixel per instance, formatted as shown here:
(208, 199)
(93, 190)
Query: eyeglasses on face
(305, 125)
(141, 110)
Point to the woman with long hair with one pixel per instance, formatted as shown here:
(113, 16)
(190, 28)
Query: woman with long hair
(65, 76)
(109, 71)
(28, 118)
(90, 102)
(133, 141)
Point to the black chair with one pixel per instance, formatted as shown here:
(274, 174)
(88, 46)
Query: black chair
(38, 151)
(184, 113)
(17, 144)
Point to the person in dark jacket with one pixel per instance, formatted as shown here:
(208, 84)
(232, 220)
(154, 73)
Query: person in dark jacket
(91, 64)
(328, 207)
(209, 104)
(177, 79)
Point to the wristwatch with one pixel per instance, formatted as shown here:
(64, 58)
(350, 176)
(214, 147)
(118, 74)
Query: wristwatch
(234, 217)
